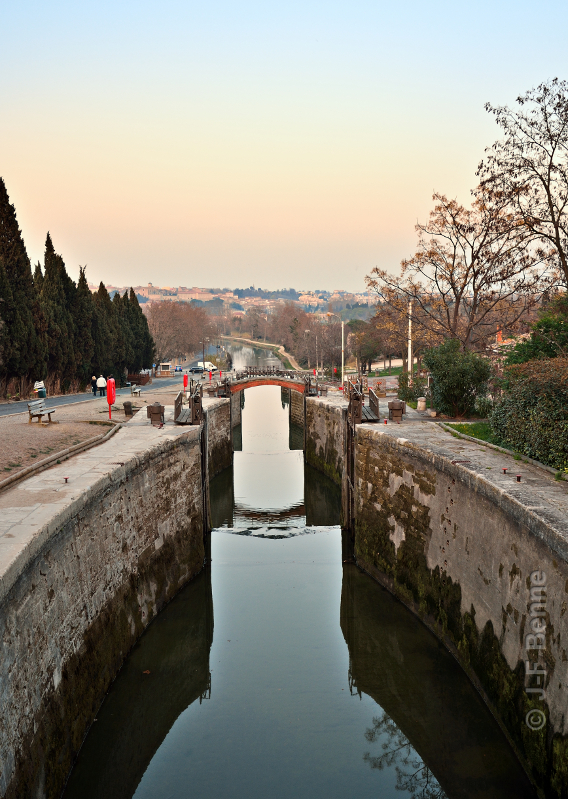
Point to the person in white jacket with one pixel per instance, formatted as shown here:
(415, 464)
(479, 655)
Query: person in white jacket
(101, 385)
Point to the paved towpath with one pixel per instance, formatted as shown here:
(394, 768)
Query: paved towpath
(538, 492)
(31, 509)
(9, 408)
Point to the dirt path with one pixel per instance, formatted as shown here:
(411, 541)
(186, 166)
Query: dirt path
(22, 444)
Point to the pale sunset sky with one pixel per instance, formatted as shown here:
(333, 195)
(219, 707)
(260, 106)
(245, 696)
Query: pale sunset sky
(269, 143)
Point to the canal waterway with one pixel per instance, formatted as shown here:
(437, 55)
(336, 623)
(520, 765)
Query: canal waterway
(284, 671)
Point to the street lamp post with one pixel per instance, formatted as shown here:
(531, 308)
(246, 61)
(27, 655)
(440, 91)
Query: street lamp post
(342, 353)
(203, 346)
(342, 346)
(410, 364)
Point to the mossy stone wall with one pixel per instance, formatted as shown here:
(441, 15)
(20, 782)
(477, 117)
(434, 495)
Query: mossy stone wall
(460, 556)
(297, 408)
(75, 611)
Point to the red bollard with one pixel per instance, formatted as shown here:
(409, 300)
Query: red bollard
(185, 382)
(220, 375)
(209, 376)
(111, 395)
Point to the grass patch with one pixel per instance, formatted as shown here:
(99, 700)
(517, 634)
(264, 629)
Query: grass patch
(480, 430)
(414, 403)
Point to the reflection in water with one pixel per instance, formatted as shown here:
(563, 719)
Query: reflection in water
(166, 672)
(296, 436)
(429, 704)
(412, 775)
(244, 355)
(322, 687)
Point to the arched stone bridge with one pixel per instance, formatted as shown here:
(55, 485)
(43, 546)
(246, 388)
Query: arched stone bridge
(294, 384)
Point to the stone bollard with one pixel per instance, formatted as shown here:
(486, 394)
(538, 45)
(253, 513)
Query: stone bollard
(421, 406)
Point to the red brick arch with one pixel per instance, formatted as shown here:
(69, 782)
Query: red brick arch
(251, 382)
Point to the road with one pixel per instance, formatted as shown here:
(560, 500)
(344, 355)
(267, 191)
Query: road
(69, 399)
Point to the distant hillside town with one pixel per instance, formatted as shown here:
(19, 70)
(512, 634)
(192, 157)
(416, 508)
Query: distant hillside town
(239, 301)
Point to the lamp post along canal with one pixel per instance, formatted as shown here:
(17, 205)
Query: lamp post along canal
(410, 343)
(342, 352)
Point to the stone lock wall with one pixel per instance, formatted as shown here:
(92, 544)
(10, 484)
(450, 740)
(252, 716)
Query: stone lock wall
(85, 588)
(236, 412)
(487, 570)
(219, 442)
(472, 563)
(325, 437)
(296, 407)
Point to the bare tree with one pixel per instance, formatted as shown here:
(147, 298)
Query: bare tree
(178, 328)
(529, 166)
(474, 272)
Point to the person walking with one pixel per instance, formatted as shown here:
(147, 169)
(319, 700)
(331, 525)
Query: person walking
(94, 385)
(101, 384)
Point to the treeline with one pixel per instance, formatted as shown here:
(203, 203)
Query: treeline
(56, 330)
(265, 294)
(312, 339)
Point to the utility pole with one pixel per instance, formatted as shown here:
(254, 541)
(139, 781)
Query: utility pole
(410, 365)
(342, 353)
(317, 365)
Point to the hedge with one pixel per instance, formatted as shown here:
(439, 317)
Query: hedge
(532, 417)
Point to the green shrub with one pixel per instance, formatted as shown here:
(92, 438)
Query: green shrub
(483, 407)
(532, 416)
(410, 393)
(549, 335)
(459, 379)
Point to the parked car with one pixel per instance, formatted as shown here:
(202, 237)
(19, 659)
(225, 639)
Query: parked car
(178, 369)
(194, 369)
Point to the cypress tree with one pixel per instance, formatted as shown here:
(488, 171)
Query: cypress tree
(125, 338)
(83, 311)
(106, 334)
(6, 316)
(38, 279)
(145, 347)
(60, 328)
(24, 357)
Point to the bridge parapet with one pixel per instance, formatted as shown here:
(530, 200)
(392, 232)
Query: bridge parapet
(294, 384)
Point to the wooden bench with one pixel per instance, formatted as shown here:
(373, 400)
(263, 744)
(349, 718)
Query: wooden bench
(37, 409)
(181, 415)
(135, 390)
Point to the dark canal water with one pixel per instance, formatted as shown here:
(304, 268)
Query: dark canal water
(283, 671)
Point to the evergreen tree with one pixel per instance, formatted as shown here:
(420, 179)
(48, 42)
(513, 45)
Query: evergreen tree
(60, 328)
(125, 348)
(145, 346)
(38, 279)
(6, 318)
(83, 312)
(106, 334)
(25, 356)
